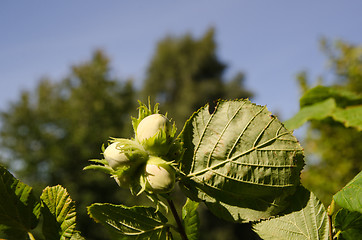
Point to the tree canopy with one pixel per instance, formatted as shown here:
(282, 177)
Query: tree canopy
(52, 131)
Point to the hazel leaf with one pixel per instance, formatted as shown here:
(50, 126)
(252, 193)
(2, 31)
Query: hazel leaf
(240, 160)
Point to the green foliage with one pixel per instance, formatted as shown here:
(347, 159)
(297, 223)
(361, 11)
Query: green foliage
(332, 144)
(346, 61)
(348, 224)
(335, 113)
(307, 219)
(190, 219)
(339, 150)
(350, 197)
(49, 133)
(59, 214)
(240, 161)
(131, 222)
(320, 93)
(237, 158)
(62, 123)
(55, 120)
(317, 111)
(19, 211)
(322, 102)
(350, 116)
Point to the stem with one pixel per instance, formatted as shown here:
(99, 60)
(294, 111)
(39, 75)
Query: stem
(178, 220)
(330, 227)
(330, 211)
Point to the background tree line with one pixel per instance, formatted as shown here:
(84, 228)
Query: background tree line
(50, 132)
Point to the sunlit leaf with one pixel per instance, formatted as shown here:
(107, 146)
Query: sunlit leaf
(307, 219)
(350, 116)
(131, 222)
(317, 111)
(322, 102)
(240, 160)
(59, 214)
(20, 210)
(350, 197)
(190, 219)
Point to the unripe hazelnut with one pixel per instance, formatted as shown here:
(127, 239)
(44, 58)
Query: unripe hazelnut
(114, 155)
(153, 132)
(159, 176)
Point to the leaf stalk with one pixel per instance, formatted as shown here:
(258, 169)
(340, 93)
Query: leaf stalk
(330, 227)
(330, 212)
(178, 220)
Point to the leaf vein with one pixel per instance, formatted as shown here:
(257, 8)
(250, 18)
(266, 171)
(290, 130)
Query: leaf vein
(222, 133)
(242, 132)
(201, 137)
(250, 182)
(261, 132)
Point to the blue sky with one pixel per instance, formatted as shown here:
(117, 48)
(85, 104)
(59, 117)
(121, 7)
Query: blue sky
(270, 41)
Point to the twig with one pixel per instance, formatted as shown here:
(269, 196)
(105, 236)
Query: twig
(178, 220)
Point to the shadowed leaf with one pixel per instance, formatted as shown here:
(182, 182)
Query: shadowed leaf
(20, 210)
(190, 219)
(130, 222)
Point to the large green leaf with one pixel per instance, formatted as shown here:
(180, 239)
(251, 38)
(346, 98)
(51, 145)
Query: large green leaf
(307, 220)
(350, 197)
(349, 116)
(239, 160)
(59, 214)
(131, 222)
(190, 219)
(342, 97)
(349, 224)
(317, 111)
(323, 102)
(19, 209)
